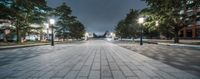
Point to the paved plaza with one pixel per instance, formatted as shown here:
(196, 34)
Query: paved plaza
(94, 59)
(184, 58)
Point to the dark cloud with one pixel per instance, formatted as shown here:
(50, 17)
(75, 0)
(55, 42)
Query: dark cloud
(100, 15)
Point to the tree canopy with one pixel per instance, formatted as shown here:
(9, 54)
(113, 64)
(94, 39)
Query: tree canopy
(23, 13)
(69, 26)
(128, 27)
(171, 14)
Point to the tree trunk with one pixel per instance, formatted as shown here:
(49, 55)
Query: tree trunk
(41, 37)
(18, 34)
(5, 38)
(176, 36)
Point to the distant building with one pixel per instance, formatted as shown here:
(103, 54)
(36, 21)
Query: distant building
(192, 31)
(5, 27)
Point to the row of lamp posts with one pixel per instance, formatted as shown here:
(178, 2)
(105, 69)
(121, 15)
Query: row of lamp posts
(52, 22)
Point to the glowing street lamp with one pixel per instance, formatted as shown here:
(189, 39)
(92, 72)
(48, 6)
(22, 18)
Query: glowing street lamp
(52, 22)
(157, 24)
(141, 21)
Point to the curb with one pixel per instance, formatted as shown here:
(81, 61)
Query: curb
(21, 46)
(181, 45)
(30, 45)
(177, 45)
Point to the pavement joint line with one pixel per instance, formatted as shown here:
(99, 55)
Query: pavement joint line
(79, 59)
(91, 49)
(108, 63)
(114, 58)
(92, 63)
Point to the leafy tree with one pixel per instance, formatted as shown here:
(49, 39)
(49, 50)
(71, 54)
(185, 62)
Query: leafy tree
(168, 13)
(166, 30)
(22, 13)
(5, 9)
(63, 12)
(77, 30)
(131, 21)
(129, 26)
(69, 26)
(121, 29)
(149, 26)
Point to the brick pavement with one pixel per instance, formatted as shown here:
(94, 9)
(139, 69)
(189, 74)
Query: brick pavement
(183, 58)
(95, 59)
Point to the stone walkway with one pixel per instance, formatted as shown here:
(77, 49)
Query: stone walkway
(95, 59)
(183, 58)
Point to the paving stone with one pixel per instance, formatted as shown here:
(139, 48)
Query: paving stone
(94, 75)
(132, 78)
(113, 66)
(61, 73)
(176, 56)
(48, 75)
(71, 75)
(165, 75)
(106, 77)
(142, 75)
(132, 66)
(148, 71)
(118, 75)
(84, 71)
(105, 71)
(183, 75)
(82, 78)
(40, 73)
(127, 72)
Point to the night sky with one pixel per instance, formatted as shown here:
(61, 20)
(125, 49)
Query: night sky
(100, 15)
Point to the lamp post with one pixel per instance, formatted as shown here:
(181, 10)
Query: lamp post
(141, 21)
(52, 22)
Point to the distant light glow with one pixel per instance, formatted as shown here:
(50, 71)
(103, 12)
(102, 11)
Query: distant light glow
(86, 34)
(112, 34)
